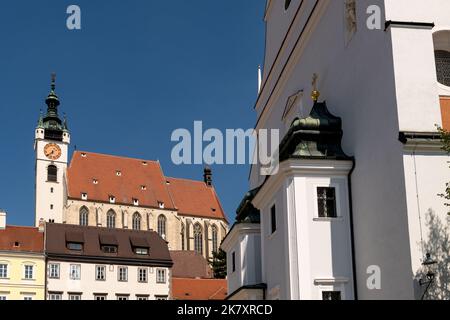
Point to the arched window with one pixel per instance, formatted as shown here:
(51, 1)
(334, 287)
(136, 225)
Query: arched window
(136, 221)
(198, 238)
(214, 238)
(162, 226)
(84, 216)
(443, 66)
(111, 219)
(182, 236)
(52, 173)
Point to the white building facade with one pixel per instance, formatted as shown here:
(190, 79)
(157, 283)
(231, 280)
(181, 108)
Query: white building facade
(89, 263)
(356, 226)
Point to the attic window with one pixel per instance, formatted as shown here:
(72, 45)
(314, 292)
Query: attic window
(213, 209)
(95, 181)
(136, 202)
(74, 246)
(83, 155)
(144, 163)
(112, 199)
(161, 204)
(109, 249)
(119, 173)
(16, 244)
(84, 196)
(141, 251)
(168, 182)
(143, 188)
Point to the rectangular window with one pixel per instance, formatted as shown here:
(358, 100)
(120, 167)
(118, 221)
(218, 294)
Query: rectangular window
(2, 298)
(141, 298)
(109, 249)
(161, 297)
(100, 273)
(122, 297)
(331, 295)
(53, 271)
(29, 272)
(233, 261)
(100, 297)
(75, 272)
(75, 246)
(142, 274)
(160, 276)
(27, 298)
(54, 296)
(122, 274)
(273, 219)
(3, 271)
(75, 296)
(326, 201)
(141, 251)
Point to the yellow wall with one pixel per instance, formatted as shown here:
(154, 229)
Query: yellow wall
(15, 287)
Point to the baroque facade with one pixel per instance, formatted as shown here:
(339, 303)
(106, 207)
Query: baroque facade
(354, 211)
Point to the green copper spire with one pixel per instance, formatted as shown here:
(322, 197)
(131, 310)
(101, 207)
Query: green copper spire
(52, 100)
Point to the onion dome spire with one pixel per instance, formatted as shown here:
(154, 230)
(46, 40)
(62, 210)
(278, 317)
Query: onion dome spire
(52, 100)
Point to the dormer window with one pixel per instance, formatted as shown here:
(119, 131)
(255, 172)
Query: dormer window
(135, 202)
(84, 196)
(112, 199)
(73, 246)
(119, 173)
(141, 251)
(83, 155)
(95, 181)
(143, 188)
(144, 163)
(161, 204)
(109, 249)
(16, 244)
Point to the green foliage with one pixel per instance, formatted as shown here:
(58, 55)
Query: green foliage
(219, 264)
(445, 136)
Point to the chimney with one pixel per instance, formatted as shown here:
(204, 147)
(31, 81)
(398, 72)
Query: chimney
(41, 225)
(2, 219)
(207, 176)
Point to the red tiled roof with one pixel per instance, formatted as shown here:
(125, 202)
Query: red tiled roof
(192, 198)
(189, 264)
(28, 239)
(134, 174)
(199, 289)
(195, 198)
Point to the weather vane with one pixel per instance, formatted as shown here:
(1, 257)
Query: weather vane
(315, 93)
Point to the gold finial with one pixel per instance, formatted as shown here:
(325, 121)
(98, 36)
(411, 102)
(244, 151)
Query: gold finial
(53, 81)
(315, 94)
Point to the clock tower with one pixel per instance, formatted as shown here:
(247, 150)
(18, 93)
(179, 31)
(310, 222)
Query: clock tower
(52, 139)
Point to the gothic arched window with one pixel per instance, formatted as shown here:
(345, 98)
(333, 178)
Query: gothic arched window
(111, 219)
(214, 238)
(198, 238)
(443, 66)
(84, 216)
(182, 235)
(162, 221)
(136, 221)
(52, 173)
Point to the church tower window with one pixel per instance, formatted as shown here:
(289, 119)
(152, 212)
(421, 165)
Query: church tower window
(111, 219)
(52, 173)
(162, 226)
(136, 221)
(443, 66)
(326, 200)
(84, 216)
(198, 239)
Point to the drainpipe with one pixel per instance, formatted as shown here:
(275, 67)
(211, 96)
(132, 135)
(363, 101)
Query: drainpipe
(355, 284)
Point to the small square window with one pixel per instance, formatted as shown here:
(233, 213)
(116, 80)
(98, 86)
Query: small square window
(326, 201)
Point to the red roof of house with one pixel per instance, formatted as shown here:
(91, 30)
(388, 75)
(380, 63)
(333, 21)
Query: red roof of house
(190, 264)
(124, 179)
(199, 289)
(21, 239)
(195, 198)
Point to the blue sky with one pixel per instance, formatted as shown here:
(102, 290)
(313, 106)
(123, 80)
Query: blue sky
(137, 70)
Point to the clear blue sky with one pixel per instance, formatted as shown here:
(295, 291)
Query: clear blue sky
(136, 71)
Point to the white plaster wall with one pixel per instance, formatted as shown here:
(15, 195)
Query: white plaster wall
(44, 198)
(88, 286)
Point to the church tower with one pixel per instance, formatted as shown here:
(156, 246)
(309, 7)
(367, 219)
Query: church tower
(52, 139)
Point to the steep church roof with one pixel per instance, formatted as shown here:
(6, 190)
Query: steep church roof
(101, 176)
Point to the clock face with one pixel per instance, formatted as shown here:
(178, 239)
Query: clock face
(52, 151)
